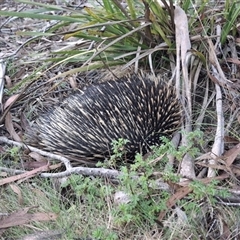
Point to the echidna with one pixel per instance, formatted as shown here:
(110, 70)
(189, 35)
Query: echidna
(136, 108)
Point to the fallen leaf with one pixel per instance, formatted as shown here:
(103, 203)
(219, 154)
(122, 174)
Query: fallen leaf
(33, 165)
(24, 175)
(184, 191)
(37, 157)
(10, 100)
(10, 128)
(22, 216)
(229, 139)
(233, 60)
(179, 194)
(232, 154)
(73, 82)
(8, 81)
(17, 190)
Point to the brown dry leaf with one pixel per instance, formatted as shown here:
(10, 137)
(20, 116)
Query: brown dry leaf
(224, 162)
(8, 81)
(213, 166)
(17, 190)
(37, 157)
(184, 191)
(10, 100)
(10, 128)
(226, 230)
(230, 139)
(55, 166)
(204, 156)
(237, 40)
(73, 82)
(41, 194)
(24, 122)
(22, 217)
(234, 60)
(233, 170)
(24, 175)
(231, 154)
(236, 170)
(180, 193)
(33, 165)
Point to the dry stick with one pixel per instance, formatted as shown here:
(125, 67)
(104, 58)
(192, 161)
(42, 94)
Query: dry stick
(86, 171)
(69, 169)
(218, 145)
(2, 74)
(64, 160)
(221, 80)
(183, 46)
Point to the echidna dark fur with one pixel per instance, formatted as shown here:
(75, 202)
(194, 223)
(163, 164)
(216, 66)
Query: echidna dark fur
(137, 108)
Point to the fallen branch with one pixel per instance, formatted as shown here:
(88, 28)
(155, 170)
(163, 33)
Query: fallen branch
(64, 160)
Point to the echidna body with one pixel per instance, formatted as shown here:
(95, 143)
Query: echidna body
(135, 108)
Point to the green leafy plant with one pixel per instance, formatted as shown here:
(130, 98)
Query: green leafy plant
(232, 12)
(104, 233)
(10, 156)
(118, 147)
(208, 191)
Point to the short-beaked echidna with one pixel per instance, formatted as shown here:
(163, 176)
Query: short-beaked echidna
(137, 108)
